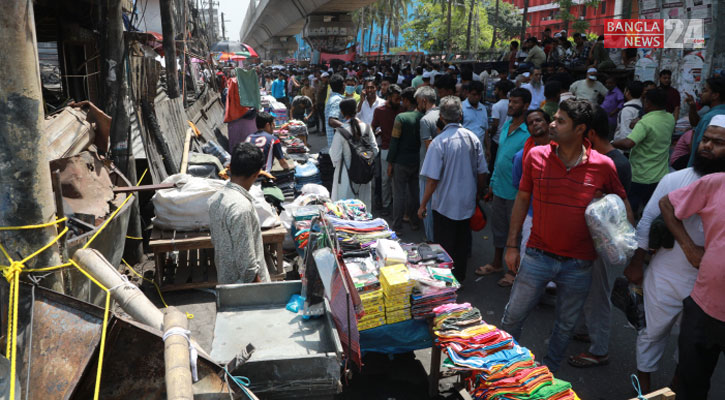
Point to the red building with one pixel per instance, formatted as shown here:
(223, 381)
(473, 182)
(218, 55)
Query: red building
(542, 14)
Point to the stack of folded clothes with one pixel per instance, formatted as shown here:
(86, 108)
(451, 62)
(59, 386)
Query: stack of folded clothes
(352, 209)
(397, 287)
(428, 254)
(357, 237)
(501, 369)
(294, 145)
(306, 173)
(285, 181)
(433, 287)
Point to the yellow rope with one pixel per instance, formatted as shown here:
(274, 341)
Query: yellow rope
(12, 274)
(158, 290)
(134, 237)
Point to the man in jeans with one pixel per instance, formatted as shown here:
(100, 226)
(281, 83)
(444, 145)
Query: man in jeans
(455, 170)
(560, 180)
(403, 161)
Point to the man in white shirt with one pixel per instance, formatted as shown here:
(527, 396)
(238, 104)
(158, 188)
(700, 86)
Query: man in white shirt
(475, 117)
(670, 277)
(631, 109)
(499, 116)
(536, 88)
(589, 88)
(369, 101)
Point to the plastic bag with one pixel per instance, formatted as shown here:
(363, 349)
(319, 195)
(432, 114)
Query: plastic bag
(613, 235)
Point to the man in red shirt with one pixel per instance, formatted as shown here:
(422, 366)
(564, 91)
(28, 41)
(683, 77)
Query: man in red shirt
(383, 121)
(560, 180)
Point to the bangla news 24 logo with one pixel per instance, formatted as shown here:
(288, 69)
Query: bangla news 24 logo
(654, 33)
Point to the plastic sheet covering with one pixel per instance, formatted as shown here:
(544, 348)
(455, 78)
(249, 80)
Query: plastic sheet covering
(613, 235)
(400, 337)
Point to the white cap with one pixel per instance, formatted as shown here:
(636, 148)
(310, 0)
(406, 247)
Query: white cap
(451, 67)
(526, 74)
(557, 35)
(718, 120)
(426, 75)
(563, 31)
(324, 75)
(592, 70)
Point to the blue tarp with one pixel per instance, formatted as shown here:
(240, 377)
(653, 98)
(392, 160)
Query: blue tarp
(400, 337)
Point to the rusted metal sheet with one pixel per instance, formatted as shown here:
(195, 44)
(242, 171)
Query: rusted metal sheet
(65, 334)
(86, 185)
(67, 133)
(64, 353)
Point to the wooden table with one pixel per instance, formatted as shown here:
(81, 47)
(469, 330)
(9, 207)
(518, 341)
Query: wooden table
(195, 267)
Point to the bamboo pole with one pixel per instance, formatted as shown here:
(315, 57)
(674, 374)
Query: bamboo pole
(176, 357)
(185, 154)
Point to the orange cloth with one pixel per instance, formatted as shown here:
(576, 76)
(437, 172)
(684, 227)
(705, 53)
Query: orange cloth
(234, 110)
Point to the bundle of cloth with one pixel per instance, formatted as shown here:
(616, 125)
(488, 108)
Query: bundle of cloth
(501, 368)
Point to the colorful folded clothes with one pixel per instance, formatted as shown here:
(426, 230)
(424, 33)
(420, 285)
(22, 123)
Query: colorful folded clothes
(502, 370)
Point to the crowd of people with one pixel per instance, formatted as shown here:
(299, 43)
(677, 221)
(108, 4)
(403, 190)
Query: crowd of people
(539, 154)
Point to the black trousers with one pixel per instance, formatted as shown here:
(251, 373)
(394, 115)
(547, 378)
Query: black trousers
(701, 341)
(455, 237)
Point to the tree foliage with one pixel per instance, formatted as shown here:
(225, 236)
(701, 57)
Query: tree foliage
(508, 23)
(427, 26)
(566, 17)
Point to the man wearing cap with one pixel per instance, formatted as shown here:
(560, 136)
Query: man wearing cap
(670, 277)
(649, 142)
(702, 331)
(713, 95)
(589, 88)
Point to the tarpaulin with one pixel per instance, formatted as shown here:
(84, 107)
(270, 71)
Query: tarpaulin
(400, 337)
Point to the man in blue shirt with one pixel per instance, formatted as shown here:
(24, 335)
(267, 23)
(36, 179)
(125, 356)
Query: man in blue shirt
(455, 172)
(475, 117)
(502, 191)
(332, 107)
(713, 95)
(278, 89)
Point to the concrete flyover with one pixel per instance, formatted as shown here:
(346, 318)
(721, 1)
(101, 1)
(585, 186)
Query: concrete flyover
(269, 24)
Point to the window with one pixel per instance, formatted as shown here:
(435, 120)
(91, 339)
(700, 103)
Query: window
(604, 8)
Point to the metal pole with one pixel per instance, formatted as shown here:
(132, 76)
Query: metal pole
(167, 27)
(25, 177)
(224, 31)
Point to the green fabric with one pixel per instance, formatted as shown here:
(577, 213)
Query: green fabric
(652, 137)
(541, 392)
(550, 107)
(248, 82)
(405, 141)
(417, 81)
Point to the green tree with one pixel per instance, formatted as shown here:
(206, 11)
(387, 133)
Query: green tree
(430, 32)
(505, 22)
(565, 15)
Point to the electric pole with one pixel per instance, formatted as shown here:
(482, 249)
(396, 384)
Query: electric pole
(224, 31)
(27, 196)
(168, 31)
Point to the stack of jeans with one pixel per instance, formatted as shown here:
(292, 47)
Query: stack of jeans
(306, 173)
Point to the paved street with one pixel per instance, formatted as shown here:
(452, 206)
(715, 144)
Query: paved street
(610, 382)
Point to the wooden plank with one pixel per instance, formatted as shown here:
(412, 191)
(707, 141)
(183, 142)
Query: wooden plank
(662, 394)
(185, 154)
(197, 273)
(183, 271)
(202, 240)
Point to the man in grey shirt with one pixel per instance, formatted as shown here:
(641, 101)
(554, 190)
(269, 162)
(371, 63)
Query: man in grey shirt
(455, 170)
(426, 98)
(234, 224)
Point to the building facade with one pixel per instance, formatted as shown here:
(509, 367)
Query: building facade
(542, 14)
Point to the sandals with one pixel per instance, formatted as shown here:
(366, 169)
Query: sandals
(507, 280)
(588, 360)
(487, 269)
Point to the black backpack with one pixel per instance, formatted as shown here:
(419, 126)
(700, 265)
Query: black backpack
(361, 169)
